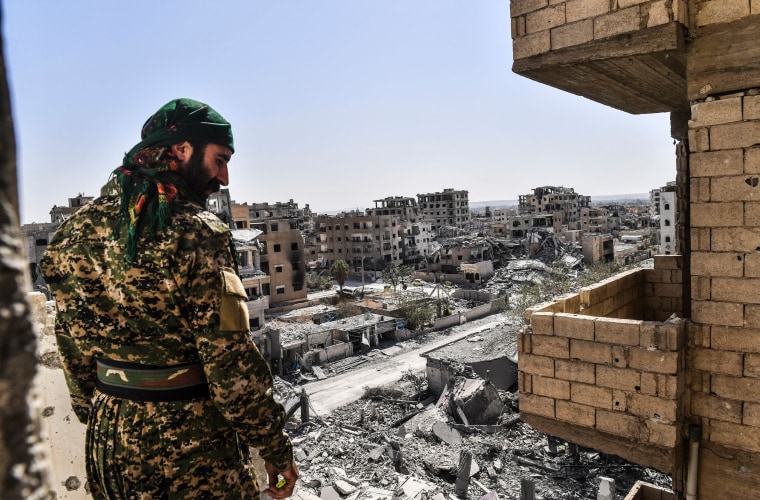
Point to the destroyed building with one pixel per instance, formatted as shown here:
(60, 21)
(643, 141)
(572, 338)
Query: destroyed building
(447, 209)
(659, 365)
(561, 202)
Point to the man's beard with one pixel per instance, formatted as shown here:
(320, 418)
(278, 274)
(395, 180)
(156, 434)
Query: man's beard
(196, 176)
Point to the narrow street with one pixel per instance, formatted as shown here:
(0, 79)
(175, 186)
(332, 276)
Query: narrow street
(326, 395)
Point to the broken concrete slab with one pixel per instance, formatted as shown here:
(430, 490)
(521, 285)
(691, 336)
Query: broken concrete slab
(446, 433)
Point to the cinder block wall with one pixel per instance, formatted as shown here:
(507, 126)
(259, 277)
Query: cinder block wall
(608, 382)
(539, 26)
(724, 341)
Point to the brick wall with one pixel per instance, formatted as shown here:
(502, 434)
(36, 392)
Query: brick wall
(609, 378)
(539, 26)
(724, 341)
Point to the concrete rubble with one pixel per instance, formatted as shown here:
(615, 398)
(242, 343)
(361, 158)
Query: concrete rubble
(400, 444)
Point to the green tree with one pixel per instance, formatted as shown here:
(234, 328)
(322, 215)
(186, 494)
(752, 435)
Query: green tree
(397, 275)
(415, 312)
(339, 271)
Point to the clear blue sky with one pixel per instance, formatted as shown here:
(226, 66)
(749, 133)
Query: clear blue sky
(334, 103)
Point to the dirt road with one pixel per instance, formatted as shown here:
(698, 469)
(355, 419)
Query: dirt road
(326, 395)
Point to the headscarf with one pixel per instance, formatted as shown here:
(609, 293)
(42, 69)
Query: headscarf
(148, 179)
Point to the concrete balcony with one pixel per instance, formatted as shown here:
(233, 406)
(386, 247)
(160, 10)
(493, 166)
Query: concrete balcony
(604, 368)
(258, 303)
(628, 56)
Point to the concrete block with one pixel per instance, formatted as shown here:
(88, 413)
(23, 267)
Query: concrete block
(662, 434)
(619, 356)
(574, 326)
(724, 264)
(523, 343)
(717, 214)
(577, 414)
(668, 290)
(618, 378)
(734, 135)
(681, 12)
(537, 405)
(617, 23)
(545, 19)
(751, 365)
(751, 107)
(619, 424)
(754, 7)
(750, 415)
(699, 190)
(670, 386)
(551, 387)
(520, 7)
(648, 383)
(542, 323)
(531, 45)
(537, 365)
(736, 187)
(620, 400)
(518, 27)
(709, 406)
(659, 14)
(737, 388)
(752, 213)
(717, 313)
(719, 111)
(660, 409)
(624, 4)
(700, 239)
(752, 160)
(585, 9)
(550, 346)
(751, 316)
(721, 11)
(735, 239)
(591, 395)
(717, 361)
(573, 34)
(735, 339)
(592, 352)
(699, 140)
(617, 331)
(575, 371)
(742, 437)
(745, 290)
(653, 361)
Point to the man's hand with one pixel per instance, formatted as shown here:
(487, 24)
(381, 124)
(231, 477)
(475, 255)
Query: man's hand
(289, 476)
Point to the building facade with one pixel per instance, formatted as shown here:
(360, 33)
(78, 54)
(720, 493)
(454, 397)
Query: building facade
(447, 209)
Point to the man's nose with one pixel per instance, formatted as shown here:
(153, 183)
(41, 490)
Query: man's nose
(223, 176)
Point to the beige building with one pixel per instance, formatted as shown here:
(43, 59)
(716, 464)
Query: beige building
(417, 235)
(368, 242)
(447, 209)
(660, 366)
(561, 202)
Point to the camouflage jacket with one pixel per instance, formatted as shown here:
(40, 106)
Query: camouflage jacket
(179, 302)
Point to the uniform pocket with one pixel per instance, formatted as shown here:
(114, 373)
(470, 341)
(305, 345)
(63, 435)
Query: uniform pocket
(234, 311)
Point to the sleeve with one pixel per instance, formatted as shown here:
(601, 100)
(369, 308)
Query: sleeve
(78, 369)
(239, 379)
(78, 366)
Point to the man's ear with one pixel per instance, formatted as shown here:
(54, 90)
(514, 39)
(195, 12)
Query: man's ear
(182, 151)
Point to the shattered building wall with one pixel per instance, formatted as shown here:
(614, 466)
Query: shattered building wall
(697, 60)
(449, 208)
(364, 241)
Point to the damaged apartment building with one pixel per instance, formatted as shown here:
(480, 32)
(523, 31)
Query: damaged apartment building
(660, 366)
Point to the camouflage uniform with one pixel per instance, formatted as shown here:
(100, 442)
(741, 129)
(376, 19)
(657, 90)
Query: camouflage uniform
(179, 302)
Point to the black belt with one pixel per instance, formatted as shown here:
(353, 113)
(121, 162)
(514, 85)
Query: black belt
(139, 382)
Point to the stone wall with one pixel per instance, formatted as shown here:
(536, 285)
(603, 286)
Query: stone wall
(608, 382)
(724, 342)
(540, 26)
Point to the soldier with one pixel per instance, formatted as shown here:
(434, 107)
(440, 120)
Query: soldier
(152, 326)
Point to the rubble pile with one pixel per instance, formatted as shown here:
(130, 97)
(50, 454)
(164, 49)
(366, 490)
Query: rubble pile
(390, 445)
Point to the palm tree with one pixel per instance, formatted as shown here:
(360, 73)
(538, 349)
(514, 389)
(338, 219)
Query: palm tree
(339, 271)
